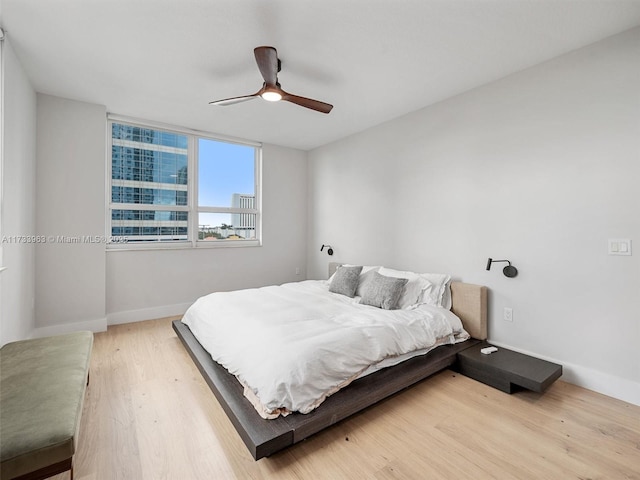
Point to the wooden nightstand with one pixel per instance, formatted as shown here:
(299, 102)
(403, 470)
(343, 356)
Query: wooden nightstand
(507, 370)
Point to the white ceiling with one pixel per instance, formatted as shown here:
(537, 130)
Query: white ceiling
(374, 60)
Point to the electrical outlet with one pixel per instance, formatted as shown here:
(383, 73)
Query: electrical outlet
(297, 270)
(619, 246)
(507, 314)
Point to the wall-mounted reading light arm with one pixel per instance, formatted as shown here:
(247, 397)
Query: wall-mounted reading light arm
(329, 249)
(509, 271)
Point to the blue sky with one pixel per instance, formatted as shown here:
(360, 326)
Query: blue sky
(224, 169)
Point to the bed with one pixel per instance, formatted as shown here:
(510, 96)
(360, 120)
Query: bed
(264, 437)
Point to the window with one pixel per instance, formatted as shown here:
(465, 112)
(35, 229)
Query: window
(226, 191)
(181, 187)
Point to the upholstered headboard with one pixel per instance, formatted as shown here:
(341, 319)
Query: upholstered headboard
(469, 303)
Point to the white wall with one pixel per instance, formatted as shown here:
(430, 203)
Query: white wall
(18, 216)
(151, 284)
(83, 286)
(70, 277)
(541, 168)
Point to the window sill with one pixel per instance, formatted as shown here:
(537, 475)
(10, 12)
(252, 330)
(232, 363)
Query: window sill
(126, 247)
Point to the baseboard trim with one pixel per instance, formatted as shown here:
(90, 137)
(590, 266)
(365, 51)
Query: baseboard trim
(610, 385)
(131, 316)
(97, 325)
(117, 318)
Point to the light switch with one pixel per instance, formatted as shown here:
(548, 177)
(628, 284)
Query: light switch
(619, 246)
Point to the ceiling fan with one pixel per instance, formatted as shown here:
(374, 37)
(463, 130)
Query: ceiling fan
(269, 65)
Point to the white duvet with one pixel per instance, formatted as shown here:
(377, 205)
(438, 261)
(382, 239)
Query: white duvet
(293, 345)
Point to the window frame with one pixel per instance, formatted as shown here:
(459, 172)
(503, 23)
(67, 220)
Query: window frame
(192, 206)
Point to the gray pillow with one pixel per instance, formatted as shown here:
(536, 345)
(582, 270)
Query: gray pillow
(345, 281)
(365, 279)
(383, 292)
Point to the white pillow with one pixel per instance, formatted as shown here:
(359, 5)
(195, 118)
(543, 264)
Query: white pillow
(439, 293)
(436, 292)
(413, 290)
(446, 297)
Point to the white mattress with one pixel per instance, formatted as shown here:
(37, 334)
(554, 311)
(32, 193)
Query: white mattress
(293, 345)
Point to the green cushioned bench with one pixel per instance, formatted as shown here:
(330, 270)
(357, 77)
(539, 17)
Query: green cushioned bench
(42, 387)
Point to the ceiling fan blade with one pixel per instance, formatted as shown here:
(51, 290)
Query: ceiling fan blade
(232, 101)
(269, 65)
(267, 60)
(307, 102)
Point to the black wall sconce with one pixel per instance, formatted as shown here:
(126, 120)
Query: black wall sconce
(329, 249)
(509, 271)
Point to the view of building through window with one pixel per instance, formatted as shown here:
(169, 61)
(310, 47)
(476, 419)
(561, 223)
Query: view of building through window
(237, 225)
(151, 199)
(226, 191)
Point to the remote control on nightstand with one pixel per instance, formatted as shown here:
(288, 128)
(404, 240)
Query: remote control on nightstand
(488, 350)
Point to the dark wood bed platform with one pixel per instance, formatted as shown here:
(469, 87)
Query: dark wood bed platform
(265, 437)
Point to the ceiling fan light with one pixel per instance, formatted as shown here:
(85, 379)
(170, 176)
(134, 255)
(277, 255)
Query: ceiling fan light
(271, 96)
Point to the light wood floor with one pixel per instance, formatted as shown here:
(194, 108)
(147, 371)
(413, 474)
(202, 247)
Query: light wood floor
(148, 414)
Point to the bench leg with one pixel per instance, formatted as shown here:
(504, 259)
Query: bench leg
(49, 471)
